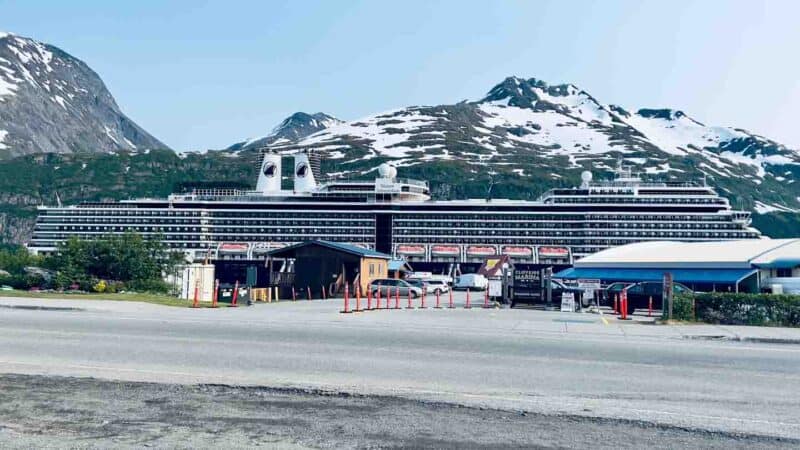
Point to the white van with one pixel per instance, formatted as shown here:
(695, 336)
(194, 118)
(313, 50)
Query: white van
(471, 281)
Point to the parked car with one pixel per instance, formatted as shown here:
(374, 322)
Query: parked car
(389, 286)
(612, 290)
(472, 281)
(422, 284)
(437, 286)
(639, 294)
(428, 276)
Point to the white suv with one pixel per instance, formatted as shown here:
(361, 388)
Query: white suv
(435, 286)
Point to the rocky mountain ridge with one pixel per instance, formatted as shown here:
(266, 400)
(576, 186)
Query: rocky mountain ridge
(52, 102)
(526, 132)
(291, 129)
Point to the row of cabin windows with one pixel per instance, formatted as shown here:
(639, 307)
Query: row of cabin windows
(525, 218)
(564, 225)
(548, 240)
(641, 200)
(577, 233)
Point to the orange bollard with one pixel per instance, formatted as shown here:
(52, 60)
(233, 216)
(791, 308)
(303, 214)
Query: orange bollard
(358, 298)
(378, 298)
(346, 309)
(308, 292)
(216, 293)
(235, 294)
(410, 305)
(438, 303)
(650, 307)
(451, 305)
(422, 298)
(397, 298)
(196, 302)
(369, 298)
(466, 304)
(623, 306)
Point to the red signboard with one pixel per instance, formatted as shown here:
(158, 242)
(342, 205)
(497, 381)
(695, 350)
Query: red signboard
(481, 250)
(517, 251)
(445, 250)
(233, 247)
(554, 252)
(410, 250)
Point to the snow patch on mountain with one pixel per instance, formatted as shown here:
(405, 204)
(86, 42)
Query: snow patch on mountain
(384, 133)
(765, 208)
(677, 134)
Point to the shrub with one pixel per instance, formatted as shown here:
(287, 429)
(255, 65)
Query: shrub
(683, 307)
(23, 282)
(114, 286)
(100, 286)
(87, 284)
(746, 309)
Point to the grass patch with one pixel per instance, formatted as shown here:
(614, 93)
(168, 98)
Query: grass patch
(158, 299)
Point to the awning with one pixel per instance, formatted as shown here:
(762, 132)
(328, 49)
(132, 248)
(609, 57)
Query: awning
(399, 264)
(781, 263)
(717, 276)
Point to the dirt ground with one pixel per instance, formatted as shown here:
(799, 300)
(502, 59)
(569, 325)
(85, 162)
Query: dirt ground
(56, 412)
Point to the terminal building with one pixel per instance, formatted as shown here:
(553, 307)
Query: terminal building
(771, 265)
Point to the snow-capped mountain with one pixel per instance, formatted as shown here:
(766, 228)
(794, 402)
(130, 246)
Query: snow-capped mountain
(52, 102)
(542, 135)
(291, 129)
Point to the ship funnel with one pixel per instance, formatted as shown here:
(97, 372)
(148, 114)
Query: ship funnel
(304, 180)
(269, 177)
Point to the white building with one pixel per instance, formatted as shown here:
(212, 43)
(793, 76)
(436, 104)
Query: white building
(741, 265)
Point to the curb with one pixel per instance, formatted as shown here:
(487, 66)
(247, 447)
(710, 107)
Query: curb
(758, 340)
(42, 308)
(769, 340)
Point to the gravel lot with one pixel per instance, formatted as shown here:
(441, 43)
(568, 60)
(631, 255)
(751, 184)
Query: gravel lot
(41, 411)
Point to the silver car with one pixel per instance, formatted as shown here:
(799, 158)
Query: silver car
(389, 287)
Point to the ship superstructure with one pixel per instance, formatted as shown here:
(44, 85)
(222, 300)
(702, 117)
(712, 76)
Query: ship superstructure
(397, 216)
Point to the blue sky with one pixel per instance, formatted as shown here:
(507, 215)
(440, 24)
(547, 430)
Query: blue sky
(207, 74)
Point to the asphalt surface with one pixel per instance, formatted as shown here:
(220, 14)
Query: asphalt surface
(37, 411)
(557, 367)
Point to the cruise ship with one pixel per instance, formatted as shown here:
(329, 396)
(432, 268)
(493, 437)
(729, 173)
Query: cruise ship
(398, 216)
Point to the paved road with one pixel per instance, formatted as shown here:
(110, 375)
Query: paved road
(542, 362)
